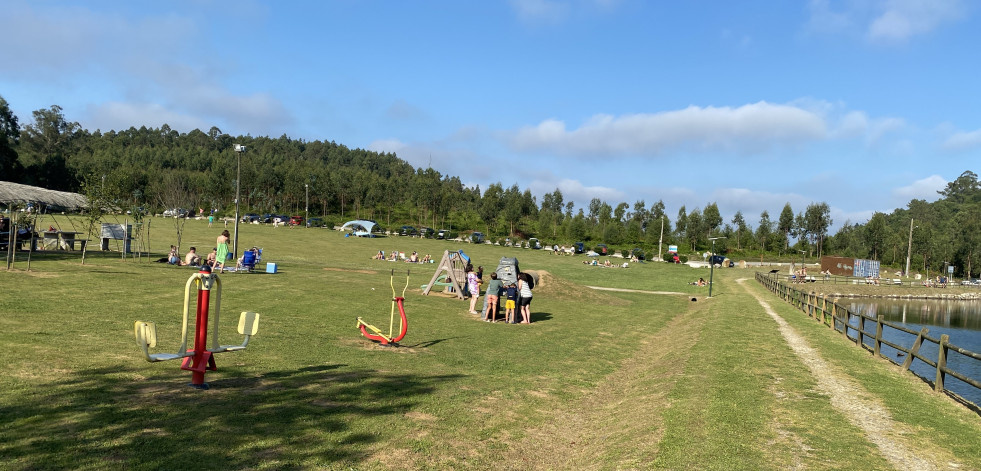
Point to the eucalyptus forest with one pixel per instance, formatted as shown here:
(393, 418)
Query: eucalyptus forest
(157, 168)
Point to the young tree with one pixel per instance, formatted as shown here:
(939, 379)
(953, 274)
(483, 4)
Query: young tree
(46, 145)
(10, 168)
(785, 223)
(740, 224)
(764, 231)
(711, 219)
(817, 220)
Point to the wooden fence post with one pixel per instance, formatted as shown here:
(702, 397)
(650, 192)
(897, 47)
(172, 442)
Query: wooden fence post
(941, 362)
(878, 334)
(861, 330)
(915, 349)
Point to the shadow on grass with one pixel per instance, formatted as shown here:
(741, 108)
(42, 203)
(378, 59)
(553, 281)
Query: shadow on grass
(316, 416)
(430, 343)
(541, 316)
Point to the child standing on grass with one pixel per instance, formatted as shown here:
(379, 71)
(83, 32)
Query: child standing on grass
(512, 294)
(473, 286)
(491, 296)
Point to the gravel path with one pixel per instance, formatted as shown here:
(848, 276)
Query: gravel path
(860, 407)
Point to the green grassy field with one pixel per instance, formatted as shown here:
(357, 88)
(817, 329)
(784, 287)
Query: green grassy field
(599, 380)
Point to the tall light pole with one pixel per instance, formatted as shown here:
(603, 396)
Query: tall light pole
(239, 149)
(712, 263)
(909, 247)
(661, 239)
(306, 211)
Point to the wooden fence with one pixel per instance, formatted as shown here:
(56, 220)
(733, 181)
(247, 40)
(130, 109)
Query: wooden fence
(837, 317)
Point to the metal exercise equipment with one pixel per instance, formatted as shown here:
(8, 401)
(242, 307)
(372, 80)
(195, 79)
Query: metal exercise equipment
(201, 358)
(391, 339)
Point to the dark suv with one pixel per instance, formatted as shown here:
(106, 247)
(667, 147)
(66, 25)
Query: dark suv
(408, 231)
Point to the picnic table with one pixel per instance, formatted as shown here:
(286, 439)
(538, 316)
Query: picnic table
(62, 240)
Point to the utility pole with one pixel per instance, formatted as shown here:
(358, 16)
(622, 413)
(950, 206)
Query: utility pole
(909, 247)
(660, 240)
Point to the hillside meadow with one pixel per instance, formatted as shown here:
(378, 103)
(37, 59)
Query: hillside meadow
(599, 380)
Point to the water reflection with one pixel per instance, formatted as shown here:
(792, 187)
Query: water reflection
(961, 320)
(944, 313)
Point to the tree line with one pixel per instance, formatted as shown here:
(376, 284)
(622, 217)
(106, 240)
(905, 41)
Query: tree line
(157, 168)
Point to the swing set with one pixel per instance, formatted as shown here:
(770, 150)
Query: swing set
(391, 339)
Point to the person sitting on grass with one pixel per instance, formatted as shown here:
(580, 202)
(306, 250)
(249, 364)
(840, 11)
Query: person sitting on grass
(172, 257)
(192, 258)
(212, 258)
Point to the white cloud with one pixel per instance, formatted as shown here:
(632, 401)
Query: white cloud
(747, 128)
(575, 190)
(902, 19)
(924, 189)
(963, 141)
(884, 20)
(119, 116)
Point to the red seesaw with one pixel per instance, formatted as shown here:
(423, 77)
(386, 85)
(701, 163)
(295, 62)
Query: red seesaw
(201, 358)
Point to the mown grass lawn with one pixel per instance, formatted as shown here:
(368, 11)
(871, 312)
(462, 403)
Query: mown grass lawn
(600, 379)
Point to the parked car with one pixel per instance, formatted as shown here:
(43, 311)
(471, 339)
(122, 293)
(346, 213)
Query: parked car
(426, 232)
(720, 260)
(267, 218)
(444, 234)
(477, 237)
(315, 222)
(296, 220)
(250, 217)
(408, 231)
(602, 249)
(579, 247)
(637, 252)
(175, 213)
(534, 244)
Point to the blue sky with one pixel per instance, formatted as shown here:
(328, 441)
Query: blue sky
(863, 104)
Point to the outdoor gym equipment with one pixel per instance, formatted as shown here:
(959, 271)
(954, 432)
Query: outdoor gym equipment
(378, 336)
(200, 358)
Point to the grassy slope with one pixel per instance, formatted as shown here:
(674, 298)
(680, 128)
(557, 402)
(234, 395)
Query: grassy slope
(600, 380)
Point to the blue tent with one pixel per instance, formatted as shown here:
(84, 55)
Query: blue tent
(360, 228)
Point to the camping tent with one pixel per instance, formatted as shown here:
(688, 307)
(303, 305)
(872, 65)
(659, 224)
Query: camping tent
(360, 228)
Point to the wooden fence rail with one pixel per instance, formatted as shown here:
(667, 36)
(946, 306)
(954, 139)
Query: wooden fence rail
(840, 319)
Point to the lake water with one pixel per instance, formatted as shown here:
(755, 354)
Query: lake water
(961, 320)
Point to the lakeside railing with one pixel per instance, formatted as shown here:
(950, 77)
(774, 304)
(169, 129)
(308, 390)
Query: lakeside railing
(839, 318)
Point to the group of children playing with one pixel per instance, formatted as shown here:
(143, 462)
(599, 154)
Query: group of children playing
(517, 297)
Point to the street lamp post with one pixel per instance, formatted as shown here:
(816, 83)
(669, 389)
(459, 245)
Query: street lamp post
(239, 149)
(306, 210)
(712, 263)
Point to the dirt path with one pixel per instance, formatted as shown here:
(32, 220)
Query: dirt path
(625, 290)
(861, 408)
(577, 436)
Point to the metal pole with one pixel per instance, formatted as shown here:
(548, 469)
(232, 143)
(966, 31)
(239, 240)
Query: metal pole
(909, 247)
(711, 267)
(306, 215)
(712, 263)
(661, 239)
(238, 185)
